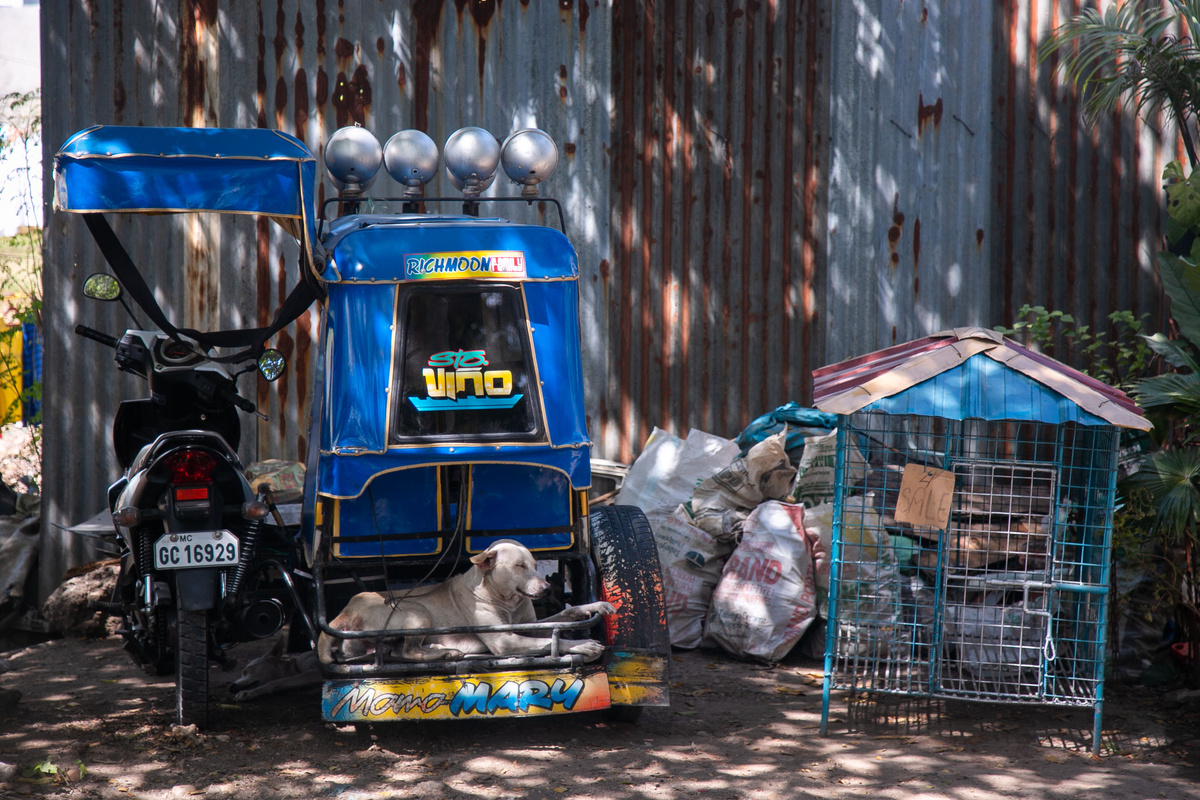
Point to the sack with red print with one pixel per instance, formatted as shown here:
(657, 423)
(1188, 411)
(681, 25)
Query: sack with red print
(766, 598)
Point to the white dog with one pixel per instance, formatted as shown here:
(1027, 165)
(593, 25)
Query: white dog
(497, 590)
(276, 672)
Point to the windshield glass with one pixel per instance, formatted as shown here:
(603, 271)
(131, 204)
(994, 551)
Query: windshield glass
(465, 370)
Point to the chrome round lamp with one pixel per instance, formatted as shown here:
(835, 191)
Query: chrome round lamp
(529, 157)
(472, 155)
(411, 158)
(352, 159)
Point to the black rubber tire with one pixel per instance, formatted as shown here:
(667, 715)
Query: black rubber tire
(626, 714)
(191, 667)
(627, 564)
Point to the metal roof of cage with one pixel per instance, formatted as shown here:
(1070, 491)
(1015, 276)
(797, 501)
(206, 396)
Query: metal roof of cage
(971, 373)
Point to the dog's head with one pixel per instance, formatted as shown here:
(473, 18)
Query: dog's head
(511, 569)
(264, 669)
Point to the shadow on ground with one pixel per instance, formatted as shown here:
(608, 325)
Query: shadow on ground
(734, 730)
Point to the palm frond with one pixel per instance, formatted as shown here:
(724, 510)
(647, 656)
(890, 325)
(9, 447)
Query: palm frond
(1179, 390)
(1173, 479)
(1130, 55)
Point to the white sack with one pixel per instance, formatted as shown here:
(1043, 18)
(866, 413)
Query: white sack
(691, 562)
(721, 504)
(766, 598)
(816, 474)
(669, 468)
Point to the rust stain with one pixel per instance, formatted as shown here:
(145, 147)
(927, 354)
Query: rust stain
(894, 231)
(322, 95)
(427, 15)
(482, 12)
(200, 24)
(927, 113)
(605, 270)
(562, 71)
(979, 237)
(118, 28)
(379, 47)
(924, 14)
(362, 96)
(300, 110)
(322, 78)
(320, 14)
(299, 30)
(567, 5)
(279, 42)
(352, 97)
(281, 92)
(569, 148)
(344, 50)
(260, 97)
(916, 243)
(401, 78)
(585, 11)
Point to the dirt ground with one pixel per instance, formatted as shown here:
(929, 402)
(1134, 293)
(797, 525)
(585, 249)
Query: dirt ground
(734, 730)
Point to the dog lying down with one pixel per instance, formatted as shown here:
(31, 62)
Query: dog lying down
(497, 590)
(276, 672)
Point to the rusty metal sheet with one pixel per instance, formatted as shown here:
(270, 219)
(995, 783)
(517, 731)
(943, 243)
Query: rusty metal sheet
(712, 293)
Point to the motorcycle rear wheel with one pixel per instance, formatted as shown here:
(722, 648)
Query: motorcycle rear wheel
(191, 666)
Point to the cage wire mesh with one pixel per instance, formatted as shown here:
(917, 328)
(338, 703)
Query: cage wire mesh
(1007, 603)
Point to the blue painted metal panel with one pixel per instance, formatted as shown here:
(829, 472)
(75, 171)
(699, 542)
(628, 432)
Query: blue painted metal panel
(982, 388)
(545, 503)
(375, 248)
(390, 518)
(360, 318)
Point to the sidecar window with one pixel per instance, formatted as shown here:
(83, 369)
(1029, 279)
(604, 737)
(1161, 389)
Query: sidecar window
(464, 368)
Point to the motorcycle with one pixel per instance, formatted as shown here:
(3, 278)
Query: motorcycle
(201, 568)
(207, 561)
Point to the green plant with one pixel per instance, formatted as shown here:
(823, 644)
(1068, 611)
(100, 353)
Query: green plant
(20, 263)
(1119, 356)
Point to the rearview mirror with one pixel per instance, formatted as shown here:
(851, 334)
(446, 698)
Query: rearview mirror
(100, 286)
(271, 364)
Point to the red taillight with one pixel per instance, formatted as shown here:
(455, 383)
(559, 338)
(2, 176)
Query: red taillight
(195, 493)
(191, 466)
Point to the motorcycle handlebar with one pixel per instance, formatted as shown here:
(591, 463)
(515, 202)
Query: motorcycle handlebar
(96, 336)
(230, 394)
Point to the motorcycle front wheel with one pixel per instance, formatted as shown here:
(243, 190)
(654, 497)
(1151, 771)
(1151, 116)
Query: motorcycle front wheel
(191, 666)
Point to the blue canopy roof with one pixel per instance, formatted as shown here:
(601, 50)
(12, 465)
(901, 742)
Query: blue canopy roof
(158, 170)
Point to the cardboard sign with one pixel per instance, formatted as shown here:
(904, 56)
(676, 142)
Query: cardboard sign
(925, 497)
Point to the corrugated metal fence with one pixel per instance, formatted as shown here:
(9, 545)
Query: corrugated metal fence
(755, 187)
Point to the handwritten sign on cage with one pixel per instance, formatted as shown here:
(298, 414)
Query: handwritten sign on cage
(925, 498)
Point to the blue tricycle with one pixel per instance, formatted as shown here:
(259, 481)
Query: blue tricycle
(448, 415)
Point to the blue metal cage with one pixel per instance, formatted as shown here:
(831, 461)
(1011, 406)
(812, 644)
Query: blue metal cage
(1002, 594)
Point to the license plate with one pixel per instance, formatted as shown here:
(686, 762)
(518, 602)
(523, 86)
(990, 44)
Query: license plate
(196, 549)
